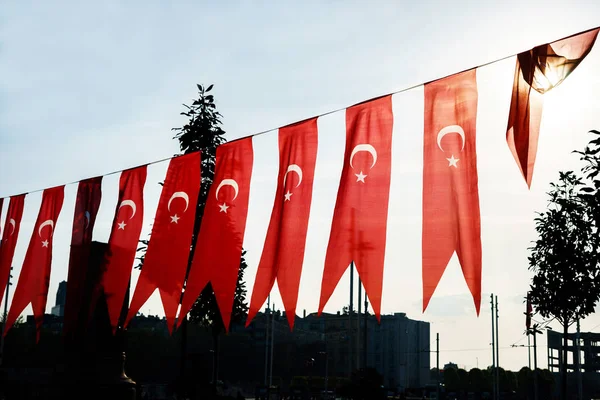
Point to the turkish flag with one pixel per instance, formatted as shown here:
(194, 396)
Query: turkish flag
(123, 241)
(87, 203)
(538, 71)
(218, 250)
(359, 226)
(168, 251)
(34, 279)
(451, 219)
(9, 240)
(1, 205)
(283, 253)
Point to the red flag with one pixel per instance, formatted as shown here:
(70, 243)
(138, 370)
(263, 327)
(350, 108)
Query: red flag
(358, 231)
(169, 248)
(451, 219)
(1, 204)
(541, 69)
(12, 224)
(122, 244)
(89, 194)
(219, 246)
(283, 253)
(34, 279)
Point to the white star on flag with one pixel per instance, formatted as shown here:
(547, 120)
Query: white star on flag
(288, 196)
(223, 207)
(174, 219)
(452, 161)
(122, 225)
(360, 177)
(45, 243)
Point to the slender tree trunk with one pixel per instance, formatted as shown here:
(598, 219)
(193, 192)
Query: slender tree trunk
(564, 358)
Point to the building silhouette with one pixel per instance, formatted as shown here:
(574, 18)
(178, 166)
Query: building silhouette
(398, 347)
(61, 298)
(584, 360)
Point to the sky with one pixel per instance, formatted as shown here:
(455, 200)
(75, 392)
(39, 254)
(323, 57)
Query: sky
(90, 89)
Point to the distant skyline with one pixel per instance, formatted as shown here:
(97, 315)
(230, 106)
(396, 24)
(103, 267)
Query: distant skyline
(90, 89)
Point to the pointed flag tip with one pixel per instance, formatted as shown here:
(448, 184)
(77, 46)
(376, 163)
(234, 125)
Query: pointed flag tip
(425, 303)
(477, 307)
(250, 317)
(320, 311)
(291, 318)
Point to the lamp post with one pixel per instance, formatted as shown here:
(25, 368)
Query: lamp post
(267, 339)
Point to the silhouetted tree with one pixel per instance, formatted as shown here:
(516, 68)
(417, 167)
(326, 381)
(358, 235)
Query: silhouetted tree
(17, 322)
(487, 378)
(451, 380)
(564, 258)
(546, 382)
(202, 132)
(524, 379)
(590, 192)
(433, 374)
(511, 381)
(503, 380)
(476, 380)
(463, 379)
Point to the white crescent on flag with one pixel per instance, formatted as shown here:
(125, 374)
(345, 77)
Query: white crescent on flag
(129, 203)
(450, 129)
(228, 182)
(182, 195)
(46, 223)
(293, 168)
(364, 147)
(12, 223)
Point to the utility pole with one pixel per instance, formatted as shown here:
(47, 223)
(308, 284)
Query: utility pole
(497, 353)
(493, 348)
(358, 325)
(272, 343)
(535, 372)
(579, 380)
(437, 364)
(366, 330)
(267, 339)
(529, 350)
(350, 309)
(406, 359)
(4, 317)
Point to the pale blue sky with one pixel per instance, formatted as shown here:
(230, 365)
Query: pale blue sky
(89, 89)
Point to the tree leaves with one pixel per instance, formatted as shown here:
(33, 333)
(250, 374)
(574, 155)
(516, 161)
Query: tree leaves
(565, 257)
(203, 132)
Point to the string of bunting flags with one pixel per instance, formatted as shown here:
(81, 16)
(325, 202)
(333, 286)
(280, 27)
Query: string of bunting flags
(451, 212)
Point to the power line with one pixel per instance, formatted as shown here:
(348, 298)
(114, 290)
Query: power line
(594, 327)
(406, 89)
